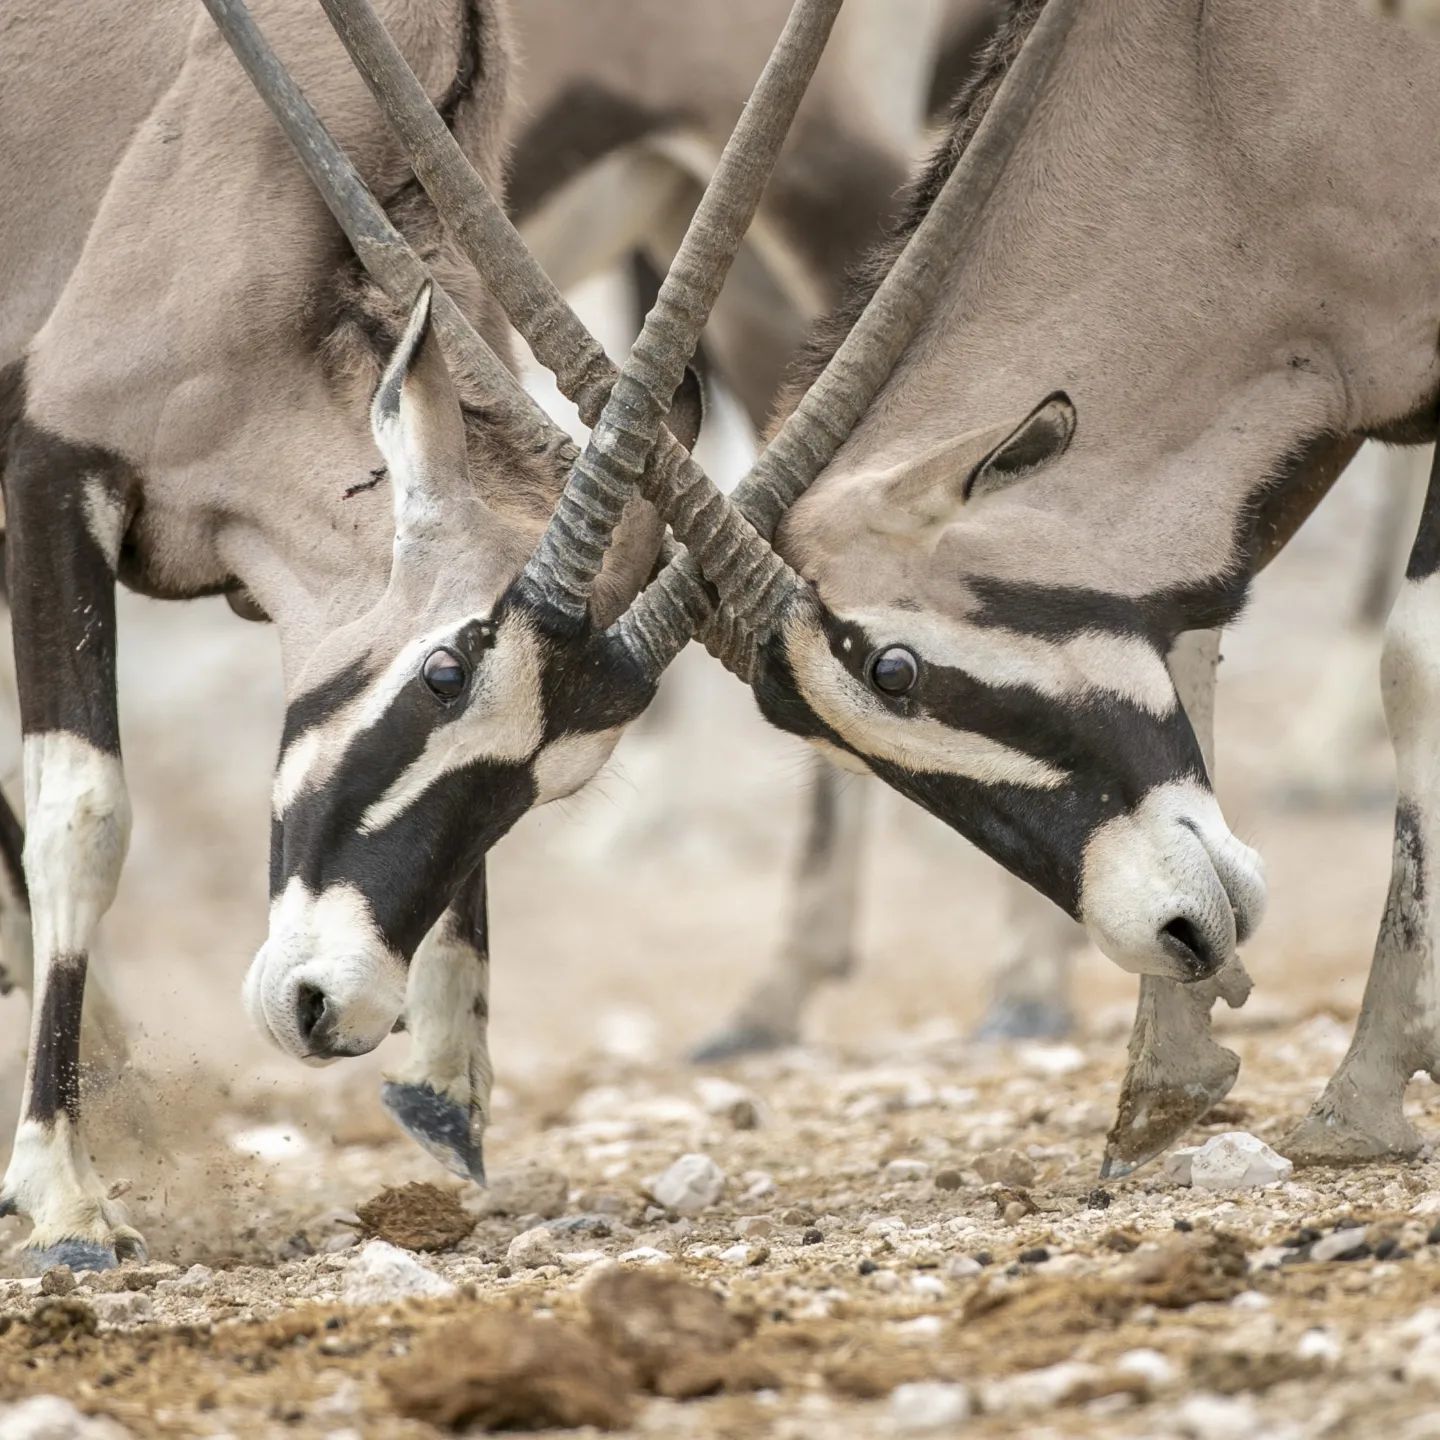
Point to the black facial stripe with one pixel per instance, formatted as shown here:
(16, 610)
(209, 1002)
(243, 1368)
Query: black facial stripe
(315, 706)
(586, 688)
(55, 1066)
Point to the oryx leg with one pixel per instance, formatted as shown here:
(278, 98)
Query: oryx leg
(1030, 997)
(1177, 1070)
(65, 518)
(819, 942)
(1360, 1115)
(441, 1096)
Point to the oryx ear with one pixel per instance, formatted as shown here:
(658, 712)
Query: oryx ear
(419, 425)
(930, 489)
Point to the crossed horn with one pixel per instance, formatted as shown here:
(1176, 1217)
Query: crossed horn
(726, 539)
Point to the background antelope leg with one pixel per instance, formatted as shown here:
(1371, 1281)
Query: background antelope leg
(1176, 1070)
(64, 524)
(1360, 1115)
(819, 938)
(1031, 985)
(440, 1097)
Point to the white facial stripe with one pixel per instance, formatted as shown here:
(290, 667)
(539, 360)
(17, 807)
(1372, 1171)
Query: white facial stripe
(503, 720)
(921, 744)
(570, 762)
(1093, 661)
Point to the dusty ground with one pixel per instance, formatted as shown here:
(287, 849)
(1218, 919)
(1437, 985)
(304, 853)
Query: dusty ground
(880, 1246)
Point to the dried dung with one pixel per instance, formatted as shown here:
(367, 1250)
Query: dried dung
(678, 1337)
(417, 1216)
(507, 1372)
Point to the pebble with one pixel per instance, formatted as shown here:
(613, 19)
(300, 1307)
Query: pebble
(928, 1285)
(811, 1236)
(124, 1307)
(528, 1190)
(692, 1184)
(1235, 1160)
(1217, 1417)
(734, 1102)
(1340, 1245)
(922, 1327)
(1422, 1365)
(1037, 1256)
(922, 1408)
(48, 1417)
(1036, 1391)
(1006, 1167)
(531, 1248)
(758, 1185)
(1150, 1366)
(643, 1255)
(382, 1273)
(949, 1180)
(58, 1281)
(755, 1227)
(904, 1169)
(1319, 1345)
(962, 1267)
(197, 1280)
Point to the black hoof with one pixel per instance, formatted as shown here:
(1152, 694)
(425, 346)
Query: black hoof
(736, 1040)
(77, 1254)
(1026, 1020)
(438, 1125)
(1114, 1168)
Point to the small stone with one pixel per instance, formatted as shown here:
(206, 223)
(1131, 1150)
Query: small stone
(927, 1285)
(948, 1180)
(1423, 1362)
(1217, 1417)
(1006, 1167)
(1305, 1235)
(1036, 1256)
(1237, 1160)
(735, 1255)
(962, 1267)
(906, 1169)
(643, 1255)
(812, 1236)
(1184, 1226)
(197, 1280)
(1015, 1211)
(733, 1102)
(1433, 1238)
(1153, 1369)
(1178, 1165)
(1319, 1345)
(1340, 1245)
(1387, 1247)
(531, 1248)
(758, 1185)
(752, 1227)
(1036, 1391)
(127, 1307)
(381, 1274)
(798, 1217)
(927, 1406)
(867, 1267)
(692, 1184)
(1099, 1199)
(527, 1190)
(48, 1417)
(984, 1257)
(58, 1281)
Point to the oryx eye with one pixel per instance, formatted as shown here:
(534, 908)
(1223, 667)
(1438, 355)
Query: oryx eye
(894, 671)
(444, 673)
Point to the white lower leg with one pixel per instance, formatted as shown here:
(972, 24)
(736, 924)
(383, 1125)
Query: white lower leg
(1361, 1113)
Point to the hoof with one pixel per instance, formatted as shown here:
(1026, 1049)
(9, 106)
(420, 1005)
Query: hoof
(737, 1040)
(439, 1125)
(1324, 1137)
(80, 1254)
(1025, 1020)
(1149, 1121)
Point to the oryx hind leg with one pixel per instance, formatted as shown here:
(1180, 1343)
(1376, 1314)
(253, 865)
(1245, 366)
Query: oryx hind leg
(65, 519)
(1030, 990)
(440, 1097)
(1177, 1070)
(1361, 1115)
(819, 941)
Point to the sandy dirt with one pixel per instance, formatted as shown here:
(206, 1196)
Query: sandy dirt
(899, 1205)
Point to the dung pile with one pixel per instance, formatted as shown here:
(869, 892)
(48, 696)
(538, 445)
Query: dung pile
(417, 1216)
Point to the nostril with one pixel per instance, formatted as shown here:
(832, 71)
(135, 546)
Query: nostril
(309, 1010)
(1184, 935)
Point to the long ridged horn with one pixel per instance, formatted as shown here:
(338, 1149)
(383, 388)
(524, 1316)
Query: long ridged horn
(380, 247)
(663, 619)
(562, 571)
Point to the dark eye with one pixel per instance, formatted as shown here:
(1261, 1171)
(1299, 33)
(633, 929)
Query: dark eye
(894, 671)
(444, 673)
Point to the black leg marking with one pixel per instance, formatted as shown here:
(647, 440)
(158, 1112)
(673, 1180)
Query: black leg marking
(55, 1068)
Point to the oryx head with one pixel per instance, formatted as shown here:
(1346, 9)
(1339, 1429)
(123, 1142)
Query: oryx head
(420, 731)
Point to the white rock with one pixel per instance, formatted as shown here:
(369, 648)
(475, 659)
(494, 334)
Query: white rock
(754, 1227)
(122, 1307)
(922, 1408)
(1218, 1417)
(1052, 1061)
(1421, 1325)
(533, 1247)
(736, 1255)
(922, 1327)
(1337, 1243)
(1150, 1366)
(758, 1184)
(48, 1417)
(1318, 1345)
(906, 1170)
(1178, 1164)
(1250, 1300)
(929, 1285)
(1423, 1362)
(195, 1281)
(383, 1273)
(962, 1267)
(1038, 1390)
(692, 1184)
(1232, 1161)
(643, 1255)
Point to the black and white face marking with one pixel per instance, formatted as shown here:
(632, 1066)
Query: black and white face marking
(1062, 752)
